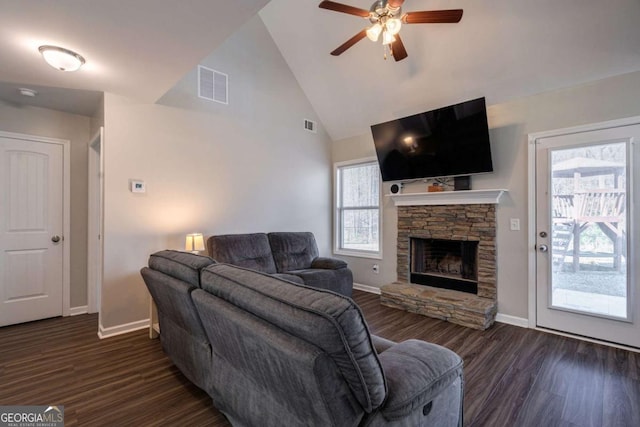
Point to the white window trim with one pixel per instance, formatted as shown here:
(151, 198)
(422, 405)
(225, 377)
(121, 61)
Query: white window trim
(336, 213)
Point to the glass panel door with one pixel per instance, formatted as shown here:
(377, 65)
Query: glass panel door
(589, 217)
(587, 231)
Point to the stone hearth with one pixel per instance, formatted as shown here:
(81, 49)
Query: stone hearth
(453, 306)
(464, 222)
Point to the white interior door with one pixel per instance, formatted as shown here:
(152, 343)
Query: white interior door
(586, 232)
(31, 230)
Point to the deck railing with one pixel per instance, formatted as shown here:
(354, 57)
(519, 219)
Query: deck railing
(591, 206)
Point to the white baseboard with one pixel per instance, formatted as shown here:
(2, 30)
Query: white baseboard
(112, 331)
(366, 288)
(512, 320)
(74, 311)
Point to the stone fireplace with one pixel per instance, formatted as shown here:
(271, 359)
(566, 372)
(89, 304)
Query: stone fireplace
(446, 257)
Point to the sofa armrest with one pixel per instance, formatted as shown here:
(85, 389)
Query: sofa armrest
(328, 263)
(417, 372)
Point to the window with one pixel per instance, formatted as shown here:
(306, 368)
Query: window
(358, 219)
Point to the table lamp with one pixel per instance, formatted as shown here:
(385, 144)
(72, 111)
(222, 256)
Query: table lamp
(194, 243)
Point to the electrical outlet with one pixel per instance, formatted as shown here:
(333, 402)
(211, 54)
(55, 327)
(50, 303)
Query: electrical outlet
(376, 269)
(514, 224)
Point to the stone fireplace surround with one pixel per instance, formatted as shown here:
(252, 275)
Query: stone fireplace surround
(453, 216)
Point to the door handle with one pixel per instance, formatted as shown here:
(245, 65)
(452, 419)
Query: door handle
(543, 248)
(55, 239)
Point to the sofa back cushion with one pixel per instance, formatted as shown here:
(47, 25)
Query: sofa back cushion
(293, 251)
(183, 266)
(244, 250)
(262, 376)
(328, 321)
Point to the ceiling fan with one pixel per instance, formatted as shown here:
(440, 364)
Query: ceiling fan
(386, 18)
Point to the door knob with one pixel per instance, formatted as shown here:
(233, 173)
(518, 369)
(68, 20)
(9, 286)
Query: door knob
(543, 248)
(55, 239)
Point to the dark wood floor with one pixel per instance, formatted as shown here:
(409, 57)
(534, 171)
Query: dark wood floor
(514, 376)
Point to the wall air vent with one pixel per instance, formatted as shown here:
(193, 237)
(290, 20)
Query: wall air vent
(309, 126)
(213, 85)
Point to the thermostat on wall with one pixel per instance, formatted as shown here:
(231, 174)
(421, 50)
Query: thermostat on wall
(137, 186)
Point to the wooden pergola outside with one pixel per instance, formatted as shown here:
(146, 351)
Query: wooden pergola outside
(574, 213)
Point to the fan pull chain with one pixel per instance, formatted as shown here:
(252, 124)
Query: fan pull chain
(386, 47)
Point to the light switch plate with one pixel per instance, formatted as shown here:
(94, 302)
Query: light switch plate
(514, 224)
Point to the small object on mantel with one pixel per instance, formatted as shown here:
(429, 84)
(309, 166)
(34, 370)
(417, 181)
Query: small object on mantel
(434, 188)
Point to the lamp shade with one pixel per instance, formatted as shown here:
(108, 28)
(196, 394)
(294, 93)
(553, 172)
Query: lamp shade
(393, 25)
(387, 37)
(373, 32)
(194, 243)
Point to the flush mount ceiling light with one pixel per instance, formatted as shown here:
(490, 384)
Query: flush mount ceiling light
(61, 59)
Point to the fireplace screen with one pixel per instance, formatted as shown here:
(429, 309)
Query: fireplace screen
(449, 264)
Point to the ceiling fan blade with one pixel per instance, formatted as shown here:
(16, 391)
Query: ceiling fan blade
(397, 49)
(433, 17)
(339, 7)
(346, 45)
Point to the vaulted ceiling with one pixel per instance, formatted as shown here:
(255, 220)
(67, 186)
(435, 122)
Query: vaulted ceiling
(501, 49)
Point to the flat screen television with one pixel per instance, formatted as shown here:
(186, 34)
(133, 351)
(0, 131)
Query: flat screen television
(447, 142)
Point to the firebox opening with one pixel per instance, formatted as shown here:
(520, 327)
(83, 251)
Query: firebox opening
(449, 264)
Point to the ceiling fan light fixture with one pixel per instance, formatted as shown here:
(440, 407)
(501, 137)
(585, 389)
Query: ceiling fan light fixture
(393, 26)
(387, 38)
(61, 59)
(373, 32)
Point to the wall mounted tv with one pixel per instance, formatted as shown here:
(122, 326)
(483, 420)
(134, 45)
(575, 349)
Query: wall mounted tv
(449, 141)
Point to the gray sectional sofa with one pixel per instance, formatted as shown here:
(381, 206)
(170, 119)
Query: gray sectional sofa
(288, 255)
(271, 352)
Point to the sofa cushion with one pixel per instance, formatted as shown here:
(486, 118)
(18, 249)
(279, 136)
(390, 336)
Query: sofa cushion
(293, 250)
(327, 320)
(183, 266)
(244, 250)
(328, 263)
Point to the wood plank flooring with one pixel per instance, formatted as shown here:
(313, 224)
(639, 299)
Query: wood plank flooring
(514, 376)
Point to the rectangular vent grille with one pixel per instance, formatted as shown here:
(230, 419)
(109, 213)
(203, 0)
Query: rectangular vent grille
(213, 85)
(309, 125)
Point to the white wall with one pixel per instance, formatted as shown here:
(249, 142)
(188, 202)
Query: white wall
(210, 168)
(75, 128)
(510, 123)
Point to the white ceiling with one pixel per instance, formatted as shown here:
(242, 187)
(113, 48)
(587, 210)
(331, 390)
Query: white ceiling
(138, 48)
(502, 49)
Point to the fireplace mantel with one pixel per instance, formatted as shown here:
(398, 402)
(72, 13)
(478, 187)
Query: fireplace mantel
(463, 197)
